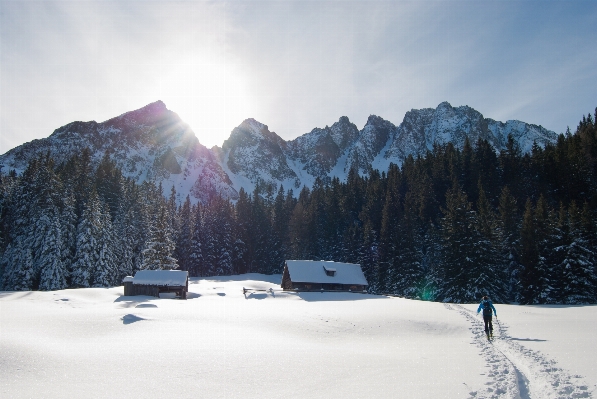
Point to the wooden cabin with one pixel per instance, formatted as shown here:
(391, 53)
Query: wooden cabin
(310, 275)
(154, 282)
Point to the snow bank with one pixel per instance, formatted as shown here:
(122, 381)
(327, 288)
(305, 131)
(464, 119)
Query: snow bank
(222, 343)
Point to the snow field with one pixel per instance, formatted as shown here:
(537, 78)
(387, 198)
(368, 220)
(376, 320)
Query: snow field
(221, 343)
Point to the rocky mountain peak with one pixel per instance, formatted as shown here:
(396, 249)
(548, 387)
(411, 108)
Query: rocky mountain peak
(147, 115)
(343, 133)
(153, 143)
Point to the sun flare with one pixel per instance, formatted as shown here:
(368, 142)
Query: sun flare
(211, 96)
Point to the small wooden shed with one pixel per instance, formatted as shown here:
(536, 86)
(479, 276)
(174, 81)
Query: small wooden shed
(154, 282)
(310, 275)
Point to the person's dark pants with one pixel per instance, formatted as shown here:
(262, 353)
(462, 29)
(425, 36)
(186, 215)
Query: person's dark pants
(488, 324)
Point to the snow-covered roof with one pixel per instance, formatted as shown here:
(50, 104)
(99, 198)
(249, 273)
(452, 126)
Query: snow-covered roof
(127, 279)
(161, 277)
(311, 271)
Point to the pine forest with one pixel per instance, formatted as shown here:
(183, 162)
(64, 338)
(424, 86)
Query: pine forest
(451, 226)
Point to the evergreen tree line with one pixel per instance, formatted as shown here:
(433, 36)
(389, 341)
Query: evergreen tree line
(452, 225)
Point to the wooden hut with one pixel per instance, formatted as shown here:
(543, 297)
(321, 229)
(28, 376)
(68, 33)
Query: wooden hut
(154, 282)
(309, 275)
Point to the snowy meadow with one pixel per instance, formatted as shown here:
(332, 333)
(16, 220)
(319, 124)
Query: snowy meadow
(223, 343)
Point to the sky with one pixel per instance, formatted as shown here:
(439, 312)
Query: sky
(292, 65)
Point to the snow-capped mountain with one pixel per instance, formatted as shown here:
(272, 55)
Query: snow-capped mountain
(420, 129)
(153, 143)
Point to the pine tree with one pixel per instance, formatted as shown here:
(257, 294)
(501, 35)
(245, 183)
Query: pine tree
(185, 235)
(49, 259)
(197, 264)
(46, 232)
(242, 255)
(159, 246)
(217, 237)
(108, 179)
(105, 270)
(466, 277)
(408, 267)
(509, 235)
(88, 242)
(491, 278)
(68, 223)
(577, 266)
(530, 278)
(547, 240)
(17, 262)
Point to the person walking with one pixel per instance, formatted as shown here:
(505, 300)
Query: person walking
(487, 307)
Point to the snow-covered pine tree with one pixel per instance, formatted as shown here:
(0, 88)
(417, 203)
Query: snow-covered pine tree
(68, 221)
(531, 278)
(105, 270)
(48, 242)
(298, 227)
(410, 273)
(18, 267)
(577, 266)
(491, 278)
(390, 270)
(225, 238)
(159, 246)
(185, 235)
(509, 236)
(463, 251)
(46, 231)
(108, 182)
(548, 238)
(260, 232)
(217, 237)
(196, 261)
(87, 244)
(279, 222)
(242, 256)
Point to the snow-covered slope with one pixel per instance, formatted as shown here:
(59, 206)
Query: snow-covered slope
(221, 343)
(152, 143)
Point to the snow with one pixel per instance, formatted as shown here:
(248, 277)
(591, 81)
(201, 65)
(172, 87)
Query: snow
(221, 343)
(308, 271)
(161, 277)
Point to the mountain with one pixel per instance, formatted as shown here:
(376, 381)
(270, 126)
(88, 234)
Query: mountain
(154, 144)
(151, 143)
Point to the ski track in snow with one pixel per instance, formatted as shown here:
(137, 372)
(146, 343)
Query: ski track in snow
(518, 372)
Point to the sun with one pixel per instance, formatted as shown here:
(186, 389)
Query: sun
(211, 95)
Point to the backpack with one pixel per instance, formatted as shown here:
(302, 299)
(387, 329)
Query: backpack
(486, 308)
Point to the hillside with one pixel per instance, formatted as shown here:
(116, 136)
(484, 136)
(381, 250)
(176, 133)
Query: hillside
(222, 344)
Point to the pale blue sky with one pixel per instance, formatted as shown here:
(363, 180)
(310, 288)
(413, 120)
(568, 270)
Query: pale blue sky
(292, 65)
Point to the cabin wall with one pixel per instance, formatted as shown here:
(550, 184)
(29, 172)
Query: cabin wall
(289, 285)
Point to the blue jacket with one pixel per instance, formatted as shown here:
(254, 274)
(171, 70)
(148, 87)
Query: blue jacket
(490, 304)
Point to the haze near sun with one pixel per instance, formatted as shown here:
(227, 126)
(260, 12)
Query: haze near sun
(210, 94)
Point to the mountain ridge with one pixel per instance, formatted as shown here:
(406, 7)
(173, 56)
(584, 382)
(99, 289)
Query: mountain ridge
(152, 143)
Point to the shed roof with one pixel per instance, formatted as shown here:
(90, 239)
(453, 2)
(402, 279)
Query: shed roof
(161, 277)
(311, 271)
